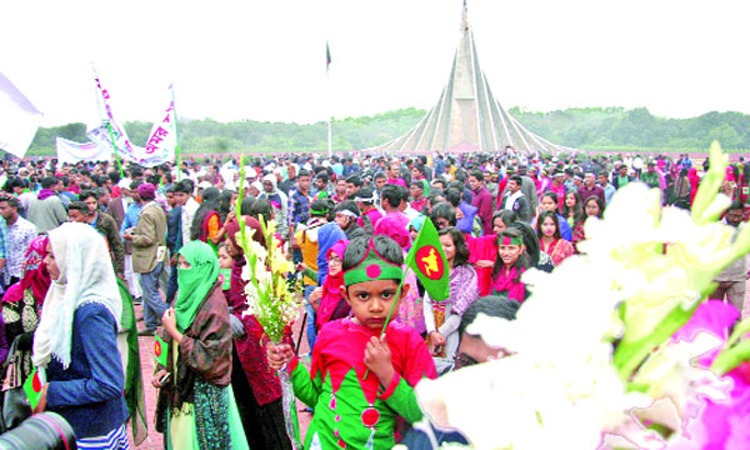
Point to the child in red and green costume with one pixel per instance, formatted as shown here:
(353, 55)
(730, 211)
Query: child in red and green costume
(360, 382)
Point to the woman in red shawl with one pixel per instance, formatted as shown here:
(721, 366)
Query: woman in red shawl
(22, 302)
(694, 182)
(255, 385)
(332, 305)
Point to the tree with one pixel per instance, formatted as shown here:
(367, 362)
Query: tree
(726, 135)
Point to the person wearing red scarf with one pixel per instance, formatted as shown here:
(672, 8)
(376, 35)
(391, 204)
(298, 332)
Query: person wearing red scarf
(23, 300)
(332, 305)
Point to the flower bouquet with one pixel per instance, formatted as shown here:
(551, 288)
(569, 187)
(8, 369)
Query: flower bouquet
(600, 355)
(271, 300)
(269, 296)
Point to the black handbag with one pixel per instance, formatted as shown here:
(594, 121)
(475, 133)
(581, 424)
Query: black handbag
(16, 407)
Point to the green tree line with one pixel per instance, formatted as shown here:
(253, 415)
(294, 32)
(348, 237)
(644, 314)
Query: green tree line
(605, 129)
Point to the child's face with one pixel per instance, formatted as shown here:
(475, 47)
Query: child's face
(413, 233)
(372, 300)
(225, 261)
(334, 264)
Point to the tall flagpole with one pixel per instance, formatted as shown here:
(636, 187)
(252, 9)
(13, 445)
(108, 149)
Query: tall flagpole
(330, 114)
(176, 136)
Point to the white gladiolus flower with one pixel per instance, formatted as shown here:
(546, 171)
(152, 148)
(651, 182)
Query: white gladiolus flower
(564, 385)
(267, 291)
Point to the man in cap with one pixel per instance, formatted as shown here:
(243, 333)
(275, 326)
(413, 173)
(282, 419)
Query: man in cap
(149, 253)
(125, 209)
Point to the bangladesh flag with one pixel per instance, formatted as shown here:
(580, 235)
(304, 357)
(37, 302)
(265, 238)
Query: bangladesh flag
(428, 261)
(33, 387)
(161, 349)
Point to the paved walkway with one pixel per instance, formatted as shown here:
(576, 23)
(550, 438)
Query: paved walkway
(154, 440)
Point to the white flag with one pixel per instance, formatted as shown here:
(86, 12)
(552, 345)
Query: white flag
(162, 141)
(19, 119)
(124, 147)
(160, 147)
(71, 152)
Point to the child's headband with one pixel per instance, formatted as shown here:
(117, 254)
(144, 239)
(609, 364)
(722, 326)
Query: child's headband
(507, 240)
(372, 267)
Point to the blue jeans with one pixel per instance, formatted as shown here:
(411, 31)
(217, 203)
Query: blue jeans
(153, 305)
(312, 334)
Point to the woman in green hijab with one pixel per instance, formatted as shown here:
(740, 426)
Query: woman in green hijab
(196, 408)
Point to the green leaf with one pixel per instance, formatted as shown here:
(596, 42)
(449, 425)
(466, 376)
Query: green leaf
(730, 358)
(740, 329)
(630, 354)
(709, 186)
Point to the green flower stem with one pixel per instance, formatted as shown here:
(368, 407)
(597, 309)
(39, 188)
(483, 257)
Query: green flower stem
(709, 186)
(630, 354)
(729, 358)
(240, 197)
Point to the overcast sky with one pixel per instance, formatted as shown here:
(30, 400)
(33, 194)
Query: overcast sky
(265, 60)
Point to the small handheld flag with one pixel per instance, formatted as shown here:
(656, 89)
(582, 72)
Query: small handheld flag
(161, 349)
(427, 259)
(33, 387)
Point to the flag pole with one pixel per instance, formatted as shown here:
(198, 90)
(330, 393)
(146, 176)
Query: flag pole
(114, 146)
(330, 114)
(176, 136)
(330, 138)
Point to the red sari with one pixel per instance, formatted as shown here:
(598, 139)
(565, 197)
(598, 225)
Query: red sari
(558, 250)
(482, 249)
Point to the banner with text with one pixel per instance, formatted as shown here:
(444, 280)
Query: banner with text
(71, 152)
(162, 141)
(160, 146)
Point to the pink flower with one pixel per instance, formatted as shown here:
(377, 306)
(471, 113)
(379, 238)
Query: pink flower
(719, 424)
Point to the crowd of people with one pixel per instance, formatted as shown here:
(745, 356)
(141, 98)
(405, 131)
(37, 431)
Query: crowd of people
(81, 244)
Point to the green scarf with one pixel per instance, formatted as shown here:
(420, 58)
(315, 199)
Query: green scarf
(194, 283)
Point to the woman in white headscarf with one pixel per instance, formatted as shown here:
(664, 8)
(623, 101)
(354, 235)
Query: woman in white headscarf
(279, 202)
(75, 345)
